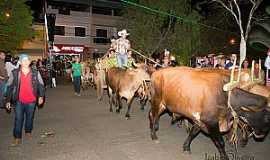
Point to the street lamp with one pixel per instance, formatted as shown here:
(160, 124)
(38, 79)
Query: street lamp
(7, 14)
(232, 41)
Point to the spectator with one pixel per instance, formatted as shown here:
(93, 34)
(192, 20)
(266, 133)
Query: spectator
(245, 64)
(10, 66)
(3, 78)
(256, 71)
(76, 74)
(53, 78)
(229, 64)
(267, 66)
(26, 89)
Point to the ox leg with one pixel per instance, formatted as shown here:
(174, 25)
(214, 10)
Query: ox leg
(244, 140)
(99, 88)
(111, 98)
(119, 103)
(195, 130)
(143, 103)
(152, 122)
(129, 102)
(218, 140)
(154, 115)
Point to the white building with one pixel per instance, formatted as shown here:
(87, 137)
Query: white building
(84, 26)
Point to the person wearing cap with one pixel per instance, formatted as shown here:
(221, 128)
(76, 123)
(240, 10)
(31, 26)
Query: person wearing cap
(3, 78)
(267, 66)
(122, 47)
(25, 88)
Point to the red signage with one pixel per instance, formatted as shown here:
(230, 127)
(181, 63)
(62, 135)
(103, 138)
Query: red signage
(68, 49)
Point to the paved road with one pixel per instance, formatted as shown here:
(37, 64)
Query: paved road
(84, 129)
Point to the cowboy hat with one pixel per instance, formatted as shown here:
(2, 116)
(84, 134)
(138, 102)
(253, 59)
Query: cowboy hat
(123, 33)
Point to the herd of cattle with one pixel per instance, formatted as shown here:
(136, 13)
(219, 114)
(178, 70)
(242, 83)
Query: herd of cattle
(195, 95)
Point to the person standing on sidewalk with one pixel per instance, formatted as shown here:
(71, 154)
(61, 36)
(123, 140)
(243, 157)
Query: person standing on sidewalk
(25, 88)
(3, 78)
(76, 74)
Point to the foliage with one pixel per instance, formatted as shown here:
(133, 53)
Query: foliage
(152, 32)
(15, 24)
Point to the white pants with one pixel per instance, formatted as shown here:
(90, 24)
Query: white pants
(53, 83)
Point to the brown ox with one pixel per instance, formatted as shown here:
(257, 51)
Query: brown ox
(126, 83)
(198, 95)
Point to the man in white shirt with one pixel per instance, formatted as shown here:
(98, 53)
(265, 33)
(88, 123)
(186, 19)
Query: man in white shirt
(10, 67)
(267, 66)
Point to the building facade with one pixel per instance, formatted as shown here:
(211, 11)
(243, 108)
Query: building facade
(84, 27)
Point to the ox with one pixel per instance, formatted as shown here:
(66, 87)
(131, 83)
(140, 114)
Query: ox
(198, 96)
(127, 83)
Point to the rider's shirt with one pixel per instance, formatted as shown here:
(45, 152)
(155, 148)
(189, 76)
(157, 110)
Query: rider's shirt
(122, 45)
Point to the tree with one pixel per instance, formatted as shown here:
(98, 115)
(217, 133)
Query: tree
(156, 25)
(233, 6)
(15, 24)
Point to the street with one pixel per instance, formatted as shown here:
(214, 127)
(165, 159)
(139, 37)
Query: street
(82, 128)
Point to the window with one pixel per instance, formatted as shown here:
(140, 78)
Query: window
(60, 30)
(102, 10)
(101, 36)
(64, 11)
(80, 31)
(118, 12)
(101, 33)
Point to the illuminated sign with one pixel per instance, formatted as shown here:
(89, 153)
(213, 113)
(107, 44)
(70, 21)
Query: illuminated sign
(59, 48)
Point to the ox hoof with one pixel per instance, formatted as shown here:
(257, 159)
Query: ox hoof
(156, 141)
(127, 117)
(224, 158)
(142, 108)
(118, 111)
(187, 152)
(154, 137)
(243, 143)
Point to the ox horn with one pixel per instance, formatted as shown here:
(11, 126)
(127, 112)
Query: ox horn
(134, 64)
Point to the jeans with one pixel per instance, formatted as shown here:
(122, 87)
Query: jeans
(2, 87)
(23, 111)
(122, 60)
(77, 84)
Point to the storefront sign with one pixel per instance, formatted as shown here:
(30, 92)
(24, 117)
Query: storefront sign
(59, 48)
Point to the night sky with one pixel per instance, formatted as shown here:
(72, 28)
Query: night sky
(200, 5)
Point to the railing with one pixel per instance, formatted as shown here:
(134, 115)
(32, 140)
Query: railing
(101, 40)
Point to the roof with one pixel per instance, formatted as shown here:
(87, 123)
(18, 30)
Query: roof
(99, 3)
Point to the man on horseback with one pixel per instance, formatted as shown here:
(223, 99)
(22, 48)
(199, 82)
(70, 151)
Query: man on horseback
(122, 47)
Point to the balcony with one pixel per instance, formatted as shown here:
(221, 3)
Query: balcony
(101, 40)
